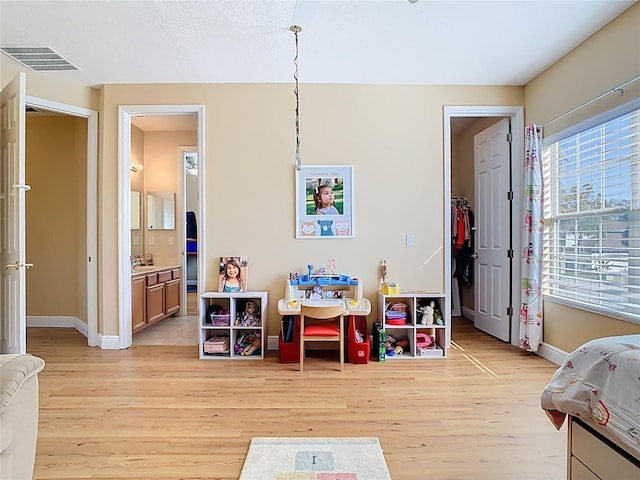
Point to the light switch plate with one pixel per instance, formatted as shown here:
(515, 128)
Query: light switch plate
(410, 240)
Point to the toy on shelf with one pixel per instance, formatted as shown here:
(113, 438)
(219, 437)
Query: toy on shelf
(426, 314)
(395, 346)
(430, 313)
(250, 317)
(386, 287)
(247, 343)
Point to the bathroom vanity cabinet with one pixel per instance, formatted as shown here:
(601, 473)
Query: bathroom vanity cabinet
(155, 295)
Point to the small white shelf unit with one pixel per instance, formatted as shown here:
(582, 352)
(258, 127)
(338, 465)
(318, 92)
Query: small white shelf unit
(234, 304)
(412, 326)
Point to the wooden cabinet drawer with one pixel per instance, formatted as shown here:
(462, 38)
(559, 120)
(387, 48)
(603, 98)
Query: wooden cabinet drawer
(601, 459)
(164, 276)
(175, 273)
(580, 472)
(152, 279)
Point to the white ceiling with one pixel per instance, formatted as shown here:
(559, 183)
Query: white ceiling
(430, 42)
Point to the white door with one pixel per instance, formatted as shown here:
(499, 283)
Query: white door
(493, 226)
(12, 217)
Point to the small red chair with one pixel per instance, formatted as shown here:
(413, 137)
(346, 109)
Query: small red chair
(322, 330)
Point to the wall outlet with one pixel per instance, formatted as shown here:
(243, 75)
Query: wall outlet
(136, 240)
(152, 241)
(170, 240)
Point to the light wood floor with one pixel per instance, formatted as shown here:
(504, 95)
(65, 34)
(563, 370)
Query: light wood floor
(154, 412)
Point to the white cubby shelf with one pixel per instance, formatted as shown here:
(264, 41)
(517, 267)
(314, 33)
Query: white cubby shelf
(222, 316)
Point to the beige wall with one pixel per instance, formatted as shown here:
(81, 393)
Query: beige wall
(606, 60)
(42, 85)
(56, 212)
(391, 134)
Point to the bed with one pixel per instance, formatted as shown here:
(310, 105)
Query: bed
(597, 391)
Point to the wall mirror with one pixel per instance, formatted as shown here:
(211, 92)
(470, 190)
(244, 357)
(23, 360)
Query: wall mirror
(161, 211)
(135, 210)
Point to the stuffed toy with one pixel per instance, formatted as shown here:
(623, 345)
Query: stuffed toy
(426, 314)
(247, 343)
(255, 344)
(400, 346)
(437, 316)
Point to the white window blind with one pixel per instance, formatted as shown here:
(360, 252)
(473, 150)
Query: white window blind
(592, 215)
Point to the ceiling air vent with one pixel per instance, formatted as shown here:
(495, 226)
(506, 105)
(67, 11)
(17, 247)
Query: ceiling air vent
(40, 59)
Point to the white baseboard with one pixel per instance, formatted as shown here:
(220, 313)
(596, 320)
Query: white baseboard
(467, 313)
(109, 342)
(106, 342)
(551, 353)
(58, 322)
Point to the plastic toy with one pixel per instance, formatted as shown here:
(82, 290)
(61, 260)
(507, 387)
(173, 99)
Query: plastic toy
(250, 317)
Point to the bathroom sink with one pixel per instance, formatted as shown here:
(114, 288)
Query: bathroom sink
(144, 268)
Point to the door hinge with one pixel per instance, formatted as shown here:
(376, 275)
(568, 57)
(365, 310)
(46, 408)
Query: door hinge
(509, 195)
(509, 253)
(509, 311)
(509, 137)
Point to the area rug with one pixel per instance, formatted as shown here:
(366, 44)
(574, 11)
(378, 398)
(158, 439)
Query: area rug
(291, 458)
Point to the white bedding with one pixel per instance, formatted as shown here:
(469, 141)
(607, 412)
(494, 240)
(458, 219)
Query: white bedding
(600, 383)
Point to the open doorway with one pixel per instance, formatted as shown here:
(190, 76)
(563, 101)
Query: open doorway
(461, 125)
(61, 166)
(191, 208)
(153, 141)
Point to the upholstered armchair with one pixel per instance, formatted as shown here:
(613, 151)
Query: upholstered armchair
(18, 415)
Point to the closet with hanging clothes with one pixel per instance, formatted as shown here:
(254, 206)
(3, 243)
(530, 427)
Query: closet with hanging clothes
(462, 249)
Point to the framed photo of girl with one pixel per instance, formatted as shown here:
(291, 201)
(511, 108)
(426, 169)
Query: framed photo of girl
(233, 274)
(324, 201)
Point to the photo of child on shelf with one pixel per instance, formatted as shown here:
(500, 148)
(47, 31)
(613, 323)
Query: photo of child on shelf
(233, 274)
(250, 317)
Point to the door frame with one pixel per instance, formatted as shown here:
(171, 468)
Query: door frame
(184, 151)
(125, 112)
(91, 116)
(516, 116)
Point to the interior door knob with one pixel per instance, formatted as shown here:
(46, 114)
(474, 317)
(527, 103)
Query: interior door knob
(18, 265)
(474, 255)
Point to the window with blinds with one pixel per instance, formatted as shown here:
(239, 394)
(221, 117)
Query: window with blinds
(592, 220)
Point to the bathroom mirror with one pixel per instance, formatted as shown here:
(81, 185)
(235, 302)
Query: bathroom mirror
(160, 211)
(135, 210)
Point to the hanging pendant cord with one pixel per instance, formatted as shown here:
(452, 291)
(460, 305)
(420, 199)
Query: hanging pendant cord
(296, 29)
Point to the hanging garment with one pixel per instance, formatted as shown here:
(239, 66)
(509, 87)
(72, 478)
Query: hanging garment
(192, 228)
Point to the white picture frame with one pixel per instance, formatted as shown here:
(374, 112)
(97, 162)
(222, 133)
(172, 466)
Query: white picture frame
(315, 218)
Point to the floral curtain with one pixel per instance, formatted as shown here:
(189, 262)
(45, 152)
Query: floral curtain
(531, 295)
